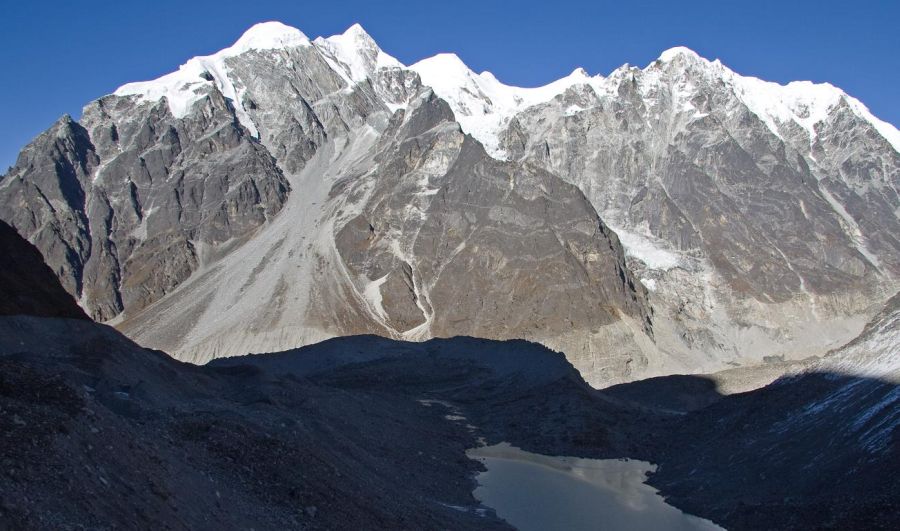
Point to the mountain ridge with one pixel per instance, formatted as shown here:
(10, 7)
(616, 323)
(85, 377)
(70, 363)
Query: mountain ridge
(690, 197)
(271, 35)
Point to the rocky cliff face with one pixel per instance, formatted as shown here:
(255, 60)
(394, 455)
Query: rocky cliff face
(283, 191)
(413, 233)
(762, 217)
(125, 204)
(446, 240)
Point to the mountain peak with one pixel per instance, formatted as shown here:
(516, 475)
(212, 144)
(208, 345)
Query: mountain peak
(679, 51)
(357, 31)
(179, 87)
(579, 72)
(443, 60)
(355, 37)
(269, 35)
(355, 53)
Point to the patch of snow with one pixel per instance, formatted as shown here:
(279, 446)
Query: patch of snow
(875, 355)
(842, 395)
(482, 104)
(356, 54)
(372, 294)
(649, 283)
(678, 51)
(886, 130)
(267, 36)
(572, 110)
(653, 255)
(801, 102)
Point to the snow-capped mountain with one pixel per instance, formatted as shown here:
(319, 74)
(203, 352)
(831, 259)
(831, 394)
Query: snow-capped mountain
(285, 190)
(485, 106)
(761, 216)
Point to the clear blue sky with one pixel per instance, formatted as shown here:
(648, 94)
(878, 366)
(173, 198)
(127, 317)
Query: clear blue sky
(57, 55)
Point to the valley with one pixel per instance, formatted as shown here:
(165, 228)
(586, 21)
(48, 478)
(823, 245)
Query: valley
(299, 284)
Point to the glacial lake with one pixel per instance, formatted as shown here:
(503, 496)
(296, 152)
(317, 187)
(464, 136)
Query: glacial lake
(544, 493)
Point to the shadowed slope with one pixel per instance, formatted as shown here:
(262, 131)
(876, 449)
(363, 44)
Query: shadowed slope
(365, 432)
(28, 286)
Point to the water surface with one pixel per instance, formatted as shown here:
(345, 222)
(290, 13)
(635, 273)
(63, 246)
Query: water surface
(543, 493)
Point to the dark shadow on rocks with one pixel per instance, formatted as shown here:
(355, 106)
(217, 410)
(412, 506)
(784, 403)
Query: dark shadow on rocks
(134, 439)
(367, 431)
(816, 450)
(28, 285)
(675, 394)
(812, 450)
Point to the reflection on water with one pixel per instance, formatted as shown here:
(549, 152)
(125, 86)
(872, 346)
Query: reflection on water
(539, 492)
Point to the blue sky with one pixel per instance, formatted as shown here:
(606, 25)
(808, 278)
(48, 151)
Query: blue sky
(58, 55)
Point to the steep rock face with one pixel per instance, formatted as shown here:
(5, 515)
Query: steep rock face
(449, 241)
(762, 217)
(159, 175)
(125, 204)
(414, 233)
(44, 198)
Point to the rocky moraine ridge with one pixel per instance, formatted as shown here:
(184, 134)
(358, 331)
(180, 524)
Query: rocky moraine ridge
(675, 218)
